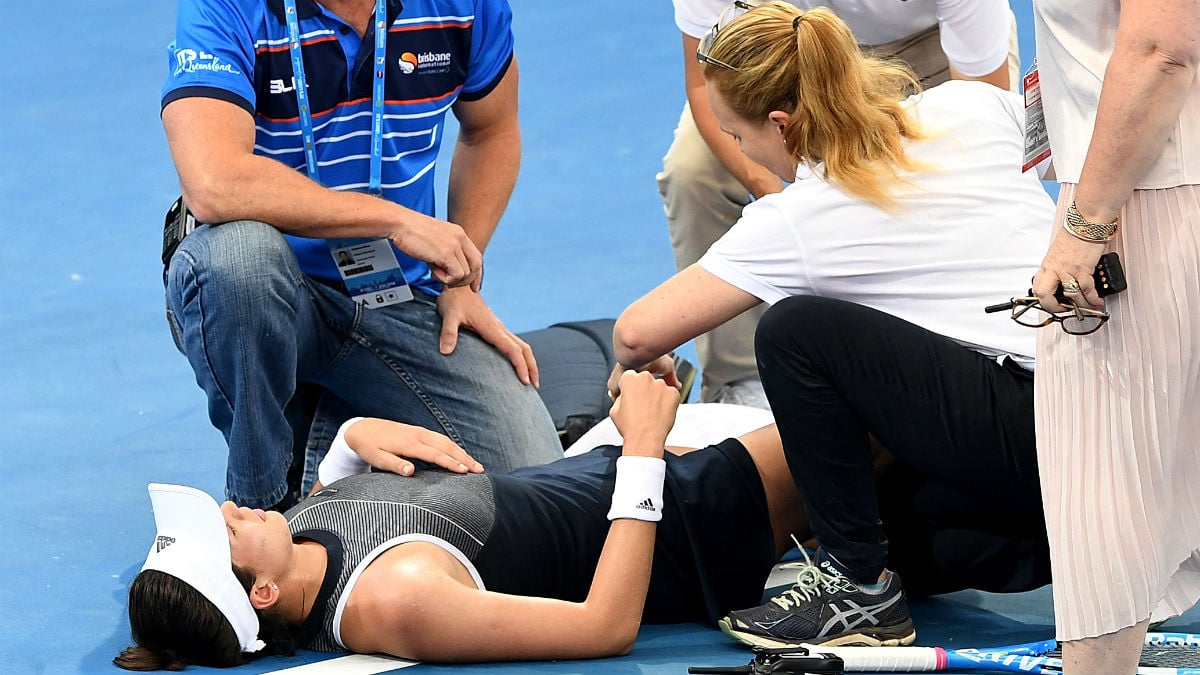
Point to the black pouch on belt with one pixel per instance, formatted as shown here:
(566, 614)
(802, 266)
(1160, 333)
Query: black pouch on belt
(178, 223)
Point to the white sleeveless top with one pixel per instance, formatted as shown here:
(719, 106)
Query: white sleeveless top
(1074, 41)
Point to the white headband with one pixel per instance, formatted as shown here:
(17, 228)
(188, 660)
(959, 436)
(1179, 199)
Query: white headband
(192, 545)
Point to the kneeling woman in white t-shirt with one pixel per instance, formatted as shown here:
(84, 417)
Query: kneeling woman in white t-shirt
(905, 217)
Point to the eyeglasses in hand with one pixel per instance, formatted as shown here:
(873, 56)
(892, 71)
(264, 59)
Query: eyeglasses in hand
(1077, 320)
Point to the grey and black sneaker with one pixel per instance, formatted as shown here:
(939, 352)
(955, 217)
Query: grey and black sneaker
(824, 607)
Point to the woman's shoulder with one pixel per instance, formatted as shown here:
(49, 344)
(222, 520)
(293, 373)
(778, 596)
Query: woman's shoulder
(809, 196)
(964, 98)
(968, 110)
(392, 594)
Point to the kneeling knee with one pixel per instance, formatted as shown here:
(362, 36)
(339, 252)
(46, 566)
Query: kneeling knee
(241, 253)
(791, 320)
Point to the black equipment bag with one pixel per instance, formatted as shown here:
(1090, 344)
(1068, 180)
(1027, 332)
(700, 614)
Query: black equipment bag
(574, 360)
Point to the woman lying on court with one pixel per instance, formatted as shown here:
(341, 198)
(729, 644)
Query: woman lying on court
(465, 566)
(462, 566)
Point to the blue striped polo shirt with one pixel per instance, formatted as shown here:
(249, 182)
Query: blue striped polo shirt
(438, 52)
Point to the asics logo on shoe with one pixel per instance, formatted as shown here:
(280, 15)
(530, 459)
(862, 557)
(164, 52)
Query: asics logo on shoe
(768, 625)
(831, 568)
(855, 614)
(645, 505)
(825, 607)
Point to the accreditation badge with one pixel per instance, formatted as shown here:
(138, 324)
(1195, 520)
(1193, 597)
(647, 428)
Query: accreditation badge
(1037, 139)
(370, 271)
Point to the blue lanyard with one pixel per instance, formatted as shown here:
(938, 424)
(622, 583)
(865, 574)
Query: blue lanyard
(301, 85)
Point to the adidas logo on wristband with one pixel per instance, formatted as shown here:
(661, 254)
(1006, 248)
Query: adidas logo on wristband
(638, 488)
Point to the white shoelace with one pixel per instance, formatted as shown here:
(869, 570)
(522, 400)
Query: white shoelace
(811, 582)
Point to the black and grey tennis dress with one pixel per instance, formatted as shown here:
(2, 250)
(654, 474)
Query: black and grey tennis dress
(539, 530)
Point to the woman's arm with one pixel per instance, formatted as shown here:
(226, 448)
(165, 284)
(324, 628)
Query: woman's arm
(1152, 68)
(691, 303)
(981, 32)
(420, 604)
(998, 77)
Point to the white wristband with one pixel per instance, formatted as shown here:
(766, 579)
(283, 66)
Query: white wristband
(638, 489)
(341, 460)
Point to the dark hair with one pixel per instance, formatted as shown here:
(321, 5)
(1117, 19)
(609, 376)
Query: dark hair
(175, 626)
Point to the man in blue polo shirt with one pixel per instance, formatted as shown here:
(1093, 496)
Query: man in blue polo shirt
(321, 285)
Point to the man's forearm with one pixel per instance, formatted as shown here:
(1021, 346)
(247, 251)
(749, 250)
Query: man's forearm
(270, 192)
(222, 180)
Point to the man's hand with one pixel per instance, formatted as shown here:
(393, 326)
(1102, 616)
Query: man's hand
(662, 367)
(644, 413)
(453, 258)
(388, 446)
(464, 308)
(370, 442)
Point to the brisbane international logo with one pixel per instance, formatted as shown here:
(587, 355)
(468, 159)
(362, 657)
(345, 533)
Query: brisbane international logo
(425, 63)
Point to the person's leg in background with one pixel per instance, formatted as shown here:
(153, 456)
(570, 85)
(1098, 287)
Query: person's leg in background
(702, 200)
(1112, 652)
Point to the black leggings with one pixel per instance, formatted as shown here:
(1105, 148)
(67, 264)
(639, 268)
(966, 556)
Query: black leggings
(960, 424)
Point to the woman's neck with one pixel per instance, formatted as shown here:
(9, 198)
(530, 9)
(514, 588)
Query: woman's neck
(298, 592)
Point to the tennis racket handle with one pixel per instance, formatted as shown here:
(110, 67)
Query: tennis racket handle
(886, 659)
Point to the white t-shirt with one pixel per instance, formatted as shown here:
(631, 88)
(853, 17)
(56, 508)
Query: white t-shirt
(968, 233)
(974, 33)
(1075, 39)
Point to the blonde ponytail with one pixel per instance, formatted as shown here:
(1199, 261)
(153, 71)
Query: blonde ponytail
(846, 108)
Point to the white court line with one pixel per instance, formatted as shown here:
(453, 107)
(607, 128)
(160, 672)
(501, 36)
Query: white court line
(355, 664)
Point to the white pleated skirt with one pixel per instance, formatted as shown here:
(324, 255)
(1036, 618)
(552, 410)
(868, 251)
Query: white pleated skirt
(1118, 429)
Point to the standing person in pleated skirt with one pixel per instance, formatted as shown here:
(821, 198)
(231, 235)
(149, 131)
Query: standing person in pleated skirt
(1118, 410)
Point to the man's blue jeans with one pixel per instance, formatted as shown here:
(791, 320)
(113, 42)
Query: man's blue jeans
(255, 328)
